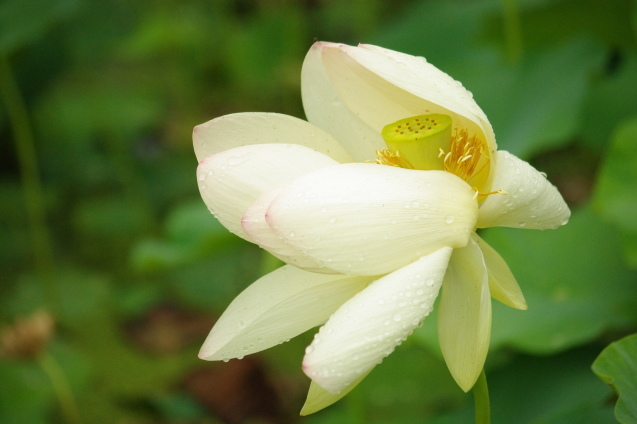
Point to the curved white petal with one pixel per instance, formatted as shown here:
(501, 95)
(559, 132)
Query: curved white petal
(370, 325)
(260, 233)
(353, 92)
(324, 108)
(367, 219)
(319, 398)
(532, 201)
(502, 283)
(275, 308)
(464, 315)
(230, 181)
(242, 129)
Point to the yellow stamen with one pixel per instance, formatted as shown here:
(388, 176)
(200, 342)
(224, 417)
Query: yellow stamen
(387, 157)
(467, 157)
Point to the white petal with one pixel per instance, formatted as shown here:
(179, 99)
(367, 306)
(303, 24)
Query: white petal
(464, 315)
(502, 283)
(532, 201)
(242, 129)
(353, 92)
(367, 219)
(230, 181)
(325, 109)
(370, 325)
(260, 233)
(275, 308)
(319, 398)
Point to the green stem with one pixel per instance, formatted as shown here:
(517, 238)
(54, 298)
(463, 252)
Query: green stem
(29, 172)
(61, 388)
(512, 30)
(481, 400)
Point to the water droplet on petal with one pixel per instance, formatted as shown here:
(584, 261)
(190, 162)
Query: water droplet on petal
(449, 219)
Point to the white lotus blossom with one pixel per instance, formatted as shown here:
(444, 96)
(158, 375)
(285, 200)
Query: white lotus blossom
(373, 204)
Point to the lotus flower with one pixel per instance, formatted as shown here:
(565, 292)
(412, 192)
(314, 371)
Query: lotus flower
(374, 205)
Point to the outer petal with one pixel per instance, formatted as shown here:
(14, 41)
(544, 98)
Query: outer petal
(230, 181)
(242, 129)
(532, 201)
(259, 232)
(353, 92)
(319, 398)
(502, 283)
(464, 315)
(367, 219)
(370, 325)
(275, 308)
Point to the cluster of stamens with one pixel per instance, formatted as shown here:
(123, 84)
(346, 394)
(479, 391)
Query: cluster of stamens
(387, 157)
(466, 157)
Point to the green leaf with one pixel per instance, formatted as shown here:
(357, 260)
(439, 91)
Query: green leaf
(537, 104)
(617, 366)
(616, 194)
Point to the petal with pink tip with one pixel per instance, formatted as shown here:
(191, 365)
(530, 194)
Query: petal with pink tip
(230, 181)
(366, 219)
(371, 324)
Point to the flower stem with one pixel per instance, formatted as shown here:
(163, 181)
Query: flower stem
(61, 388)
(28, 162)
(481, 400)
(512, 30)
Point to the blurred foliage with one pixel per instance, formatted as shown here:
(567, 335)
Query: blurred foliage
(107, 94)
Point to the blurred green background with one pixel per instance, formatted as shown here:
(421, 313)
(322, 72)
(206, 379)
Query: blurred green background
(102, 229)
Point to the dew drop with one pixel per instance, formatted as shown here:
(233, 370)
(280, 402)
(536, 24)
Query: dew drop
(332, 219)
(202, 176)
(291, 234)
(449, 219)
(521, 223)
(309, 349)
(429, 282)
(397, 317)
